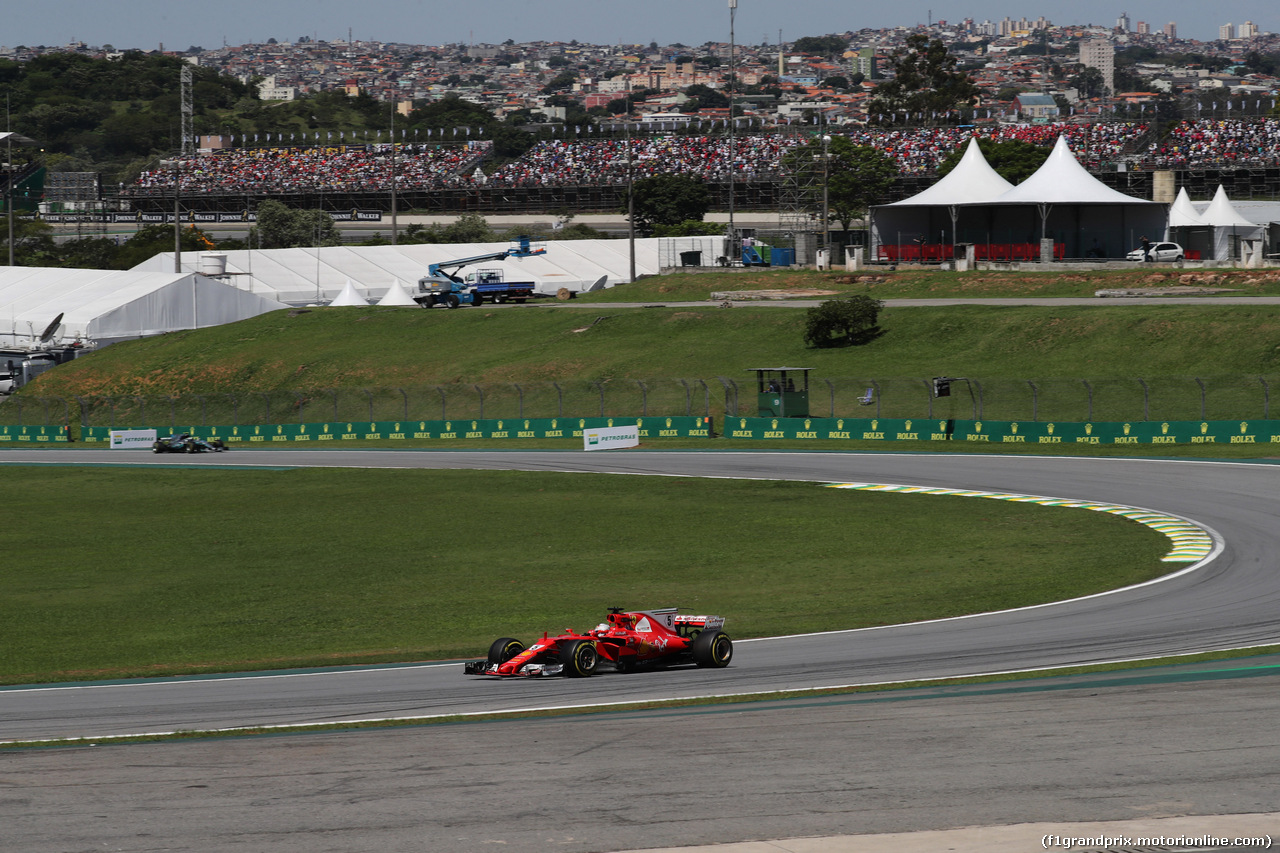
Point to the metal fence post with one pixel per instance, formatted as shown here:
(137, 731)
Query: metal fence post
(84, 412)
(644, 400)
(406, 402)
(600, 387)
(235, 409)
(442, 403)
(1202, 398)
(831, 393)
(480, 391)
(876, 385)
(520, 397)
(302, 403)
(1035, 403)
(1146, 400)
(369, 396)
(333, 395)
(559, 399)
(706, 399)
(1089, 390)
(204, 411)
(1266, 399)
(688, 398)
(730, 396)
(267, 411)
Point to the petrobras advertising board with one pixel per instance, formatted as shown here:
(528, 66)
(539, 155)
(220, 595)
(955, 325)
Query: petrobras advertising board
(610, 438)
(132, 439)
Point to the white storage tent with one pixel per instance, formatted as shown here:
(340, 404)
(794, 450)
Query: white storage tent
(316, 276)
(104, 306)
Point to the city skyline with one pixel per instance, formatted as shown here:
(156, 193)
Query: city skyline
(179, 24)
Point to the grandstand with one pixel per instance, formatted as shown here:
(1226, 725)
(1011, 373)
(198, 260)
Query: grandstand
(589, 174)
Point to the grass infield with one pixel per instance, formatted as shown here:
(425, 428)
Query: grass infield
(115, 573)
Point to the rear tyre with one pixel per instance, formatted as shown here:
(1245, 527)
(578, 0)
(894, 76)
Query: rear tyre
(712, 648)
(579, 658)
(476, 300)
(451, 301)
(505, 649)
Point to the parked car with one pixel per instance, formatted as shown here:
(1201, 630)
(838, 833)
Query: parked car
(1166, 252)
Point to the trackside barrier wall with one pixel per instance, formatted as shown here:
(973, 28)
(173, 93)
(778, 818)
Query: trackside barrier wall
(33, 434)
(854, 429)
(672, 427)
(1007, 432)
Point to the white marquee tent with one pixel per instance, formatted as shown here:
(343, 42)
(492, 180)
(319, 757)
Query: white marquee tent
(1228, 226)
(1061, 200)
(316, 276)
(104, 306)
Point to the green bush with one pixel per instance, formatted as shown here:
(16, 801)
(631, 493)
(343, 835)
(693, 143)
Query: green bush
(842, 322)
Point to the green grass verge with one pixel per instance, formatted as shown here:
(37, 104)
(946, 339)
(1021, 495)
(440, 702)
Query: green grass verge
(883, 283)
(117, 573)
(1166, 346)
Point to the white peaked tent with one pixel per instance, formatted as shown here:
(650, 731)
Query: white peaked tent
(1228, 227)
(933, 213)
(348, 296)
(1061, 200)
(396, 295)
(104, 306)
(1187, 229)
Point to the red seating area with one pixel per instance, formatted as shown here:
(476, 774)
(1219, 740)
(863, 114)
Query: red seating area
(935, 253)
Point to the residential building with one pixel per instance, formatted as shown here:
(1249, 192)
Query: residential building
(1100, 53)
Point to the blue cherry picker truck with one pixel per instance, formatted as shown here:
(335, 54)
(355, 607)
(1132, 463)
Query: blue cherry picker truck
(445, 285)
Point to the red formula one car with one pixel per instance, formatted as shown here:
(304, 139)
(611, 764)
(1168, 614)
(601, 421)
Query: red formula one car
(630, 640)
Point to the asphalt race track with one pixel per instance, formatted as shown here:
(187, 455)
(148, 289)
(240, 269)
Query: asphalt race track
(1013, 760)
(1232, 601)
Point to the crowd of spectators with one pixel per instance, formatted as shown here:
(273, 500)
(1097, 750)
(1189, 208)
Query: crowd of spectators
(1219, 142)
(570, 162)
(349, 168)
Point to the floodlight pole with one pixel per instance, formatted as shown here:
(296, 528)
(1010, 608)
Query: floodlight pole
(8, 202)
(177, 222)
(734, 247)
(631, 192)
(393, 170)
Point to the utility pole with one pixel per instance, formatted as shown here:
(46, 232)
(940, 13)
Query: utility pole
(734, 247)
(394, 105)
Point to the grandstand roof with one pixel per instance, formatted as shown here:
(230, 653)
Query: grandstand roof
(971, 180)
(109, 305)
(315, 276)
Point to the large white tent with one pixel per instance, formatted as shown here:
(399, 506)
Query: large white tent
(104, 306)
(1229, 227)
(316, 276)
(1060, 201)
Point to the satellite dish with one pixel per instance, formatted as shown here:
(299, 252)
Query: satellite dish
(52, 330)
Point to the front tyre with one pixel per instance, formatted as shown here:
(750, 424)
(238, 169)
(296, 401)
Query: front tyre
(579, 658)
(712, 648)
(504, 649)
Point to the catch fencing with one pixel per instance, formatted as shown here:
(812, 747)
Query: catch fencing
(1023, 400)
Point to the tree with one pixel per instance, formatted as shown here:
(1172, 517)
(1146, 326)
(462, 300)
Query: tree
(925, 84)
(842, 322)
(668, 199)
(1089, 83)
(821, 45)
(857, 176)
(1014, 160)
(281, 227)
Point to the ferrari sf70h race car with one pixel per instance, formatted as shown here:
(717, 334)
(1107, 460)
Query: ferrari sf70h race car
(186, 443)
(629, 640)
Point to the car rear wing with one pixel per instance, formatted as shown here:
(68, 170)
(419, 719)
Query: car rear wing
(703, 622)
